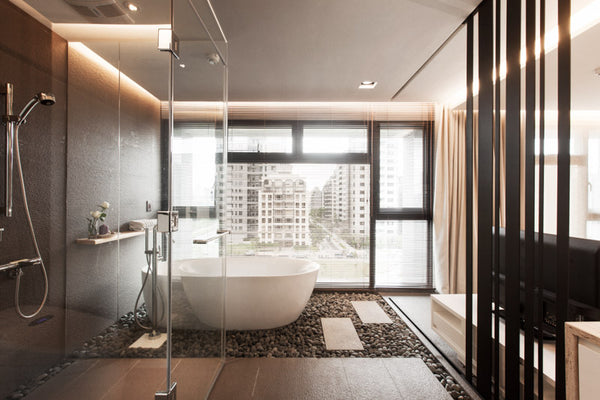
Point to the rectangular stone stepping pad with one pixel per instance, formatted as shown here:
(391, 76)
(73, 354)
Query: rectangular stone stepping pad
(370, 312)
(339, 334)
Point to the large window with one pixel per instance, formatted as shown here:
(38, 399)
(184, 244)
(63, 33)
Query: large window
(584, 220)
(352, 196)
(309, 199)
(313, 211)
(402, 206)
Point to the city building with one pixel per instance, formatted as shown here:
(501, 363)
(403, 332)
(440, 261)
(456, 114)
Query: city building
(283, 211)
(239, 197)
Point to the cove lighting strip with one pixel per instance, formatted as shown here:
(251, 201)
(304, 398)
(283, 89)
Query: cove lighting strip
(97, 59)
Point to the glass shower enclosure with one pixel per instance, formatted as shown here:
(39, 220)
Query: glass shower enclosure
(157, 108)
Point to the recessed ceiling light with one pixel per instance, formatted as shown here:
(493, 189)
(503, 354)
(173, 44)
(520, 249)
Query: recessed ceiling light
(131, 6)
(182, 65)
(367, 85)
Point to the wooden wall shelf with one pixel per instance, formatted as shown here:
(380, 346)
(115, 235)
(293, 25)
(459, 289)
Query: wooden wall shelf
(113, 237)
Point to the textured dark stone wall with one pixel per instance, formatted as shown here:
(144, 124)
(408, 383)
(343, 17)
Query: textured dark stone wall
(113, 155)
(106, 147)
(34, 59)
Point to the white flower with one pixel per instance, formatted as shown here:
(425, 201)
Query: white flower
(105, 204)
(95, 214)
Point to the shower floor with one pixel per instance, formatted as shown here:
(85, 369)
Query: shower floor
(301, 339)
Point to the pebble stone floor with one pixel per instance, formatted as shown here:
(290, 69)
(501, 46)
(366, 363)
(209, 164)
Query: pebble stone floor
(303, 338)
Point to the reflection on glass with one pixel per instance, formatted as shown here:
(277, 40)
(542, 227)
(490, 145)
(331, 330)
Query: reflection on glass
(318, 212)
(401, 168)
(335, 140)
(194, 170)
(260, 139)
(401, 253)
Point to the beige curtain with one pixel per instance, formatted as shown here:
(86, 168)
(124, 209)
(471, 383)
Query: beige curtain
(449, 201)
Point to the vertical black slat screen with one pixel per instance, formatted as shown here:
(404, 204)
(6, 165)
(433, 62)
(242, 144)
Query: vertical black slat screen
(540, 257)
(484, 196)
(562, 205)
(529, 197)
(512, 241)
(469, 206)
(496, 265)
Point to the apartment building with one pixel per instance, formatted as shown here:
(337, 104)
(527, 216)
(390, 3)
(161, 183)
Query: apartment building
(283, 211)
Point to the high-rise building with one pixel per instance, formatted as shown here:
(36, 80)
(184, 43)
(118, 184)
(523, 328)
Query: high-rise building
(316, 199)
(241, 196)
(346, 198)
(283, 211)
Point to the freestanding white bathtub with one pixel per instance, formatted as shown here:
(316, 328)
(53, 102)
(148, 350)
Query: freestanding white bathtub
(262, 292)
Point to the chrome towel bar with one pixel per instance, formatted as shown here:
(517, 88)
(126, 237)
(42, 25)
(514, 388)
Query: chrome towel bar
(220, 233)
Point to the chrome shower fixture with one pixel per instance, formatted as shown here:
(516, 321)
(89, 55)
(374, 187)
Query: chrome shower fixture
(45, 99)
(12, 122)
(9, 120)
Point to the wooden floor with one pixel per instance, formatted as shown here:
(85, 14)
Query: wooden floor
(246, 378)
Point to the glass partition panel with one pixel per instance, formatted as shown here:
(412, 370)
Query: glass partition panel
(196, 136)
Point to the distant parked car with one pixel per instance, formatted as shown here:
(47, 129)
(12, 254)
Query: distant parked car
(250, 253)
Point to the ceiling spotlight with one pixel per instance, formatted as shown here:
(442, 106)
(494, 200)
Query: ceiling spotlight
(367, 85)
(182, 65)
(213, 58)
(131, 6)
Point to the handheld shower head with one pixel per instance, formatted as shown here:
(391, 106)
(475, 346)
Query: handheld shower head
(46, 99)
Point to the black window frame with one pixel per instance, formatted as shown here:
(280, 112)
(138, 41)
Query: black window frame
(424, 213)
(371, 158)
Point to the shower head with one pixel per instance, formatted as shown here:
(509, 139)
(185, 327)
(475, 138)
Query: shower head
(46, 99)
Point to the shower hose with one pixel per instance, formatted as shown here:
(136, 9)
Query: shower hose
(137, 300)
(35, 243)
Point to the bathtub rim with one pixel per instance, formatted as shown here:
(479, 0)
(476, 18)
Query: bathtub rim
(179, 267)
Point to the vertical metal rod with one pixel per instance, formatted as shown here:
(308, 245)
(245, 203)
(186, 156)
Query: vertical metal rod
(513, 199)
(154, 283)
(563, 190)
(541, 161)
(469, 206)
(530, 83)
(496, 265)
(10, 147)
(485, 186)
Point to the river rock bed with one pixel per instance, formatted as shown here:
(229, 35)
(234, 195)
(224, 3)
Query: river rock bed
(303, 338)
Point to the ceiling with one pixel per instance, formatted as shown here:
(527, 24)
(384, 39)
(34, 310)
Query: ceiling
(282, 50)
(444, 79)
(310, 50)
